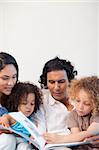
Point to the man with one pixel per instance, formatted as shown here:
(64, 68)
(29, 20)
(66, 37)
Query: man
(55, 78)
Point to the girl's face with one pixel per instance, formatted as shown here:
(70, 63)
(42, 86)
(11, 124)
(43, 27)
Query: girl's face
(8, 78)
(27, 107)
(83, 105)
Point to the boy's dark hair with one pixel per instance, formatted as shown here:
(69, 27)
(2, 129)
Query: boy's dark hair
(55, 65)
(20, 93)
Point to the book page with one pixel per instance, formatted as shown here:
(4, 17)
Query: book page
(30, 126)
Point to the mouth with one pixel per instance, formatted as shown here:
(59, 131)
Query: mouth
(56, 93)
(8, 90)
(80, 112)
(27, 112)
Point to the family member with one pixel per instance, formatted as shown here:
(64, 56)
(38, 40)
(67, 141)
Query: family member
(8, 78)
(55, 78)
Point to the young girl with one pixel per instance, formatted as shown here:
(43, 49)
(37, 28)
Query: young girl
(26, 98)
(84, 120)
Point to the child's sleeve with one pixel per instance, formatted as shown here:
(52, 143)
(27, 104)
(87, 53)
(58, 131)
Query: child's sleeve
(71, 120)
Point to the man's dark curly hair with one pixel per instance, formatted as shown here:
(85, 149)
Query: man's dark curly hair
(20, 93)
(55, 65)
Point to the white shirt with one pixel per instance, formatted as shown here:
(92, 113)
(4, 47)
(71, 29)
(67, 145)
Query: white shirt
(55, 114)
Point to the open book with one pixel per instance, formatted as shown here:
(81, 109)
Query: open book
(38, 140)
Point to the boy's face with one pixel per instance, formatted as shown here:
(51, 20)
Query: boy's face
(84, 104)
(27, 107)
(57, 83)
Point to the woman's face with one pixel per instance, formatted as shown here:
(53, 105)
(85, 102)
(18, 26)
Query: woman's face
(8, 78)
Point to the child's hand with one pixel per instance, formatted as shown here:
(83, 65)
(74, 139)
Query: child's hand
(93, 140)
(4, 121)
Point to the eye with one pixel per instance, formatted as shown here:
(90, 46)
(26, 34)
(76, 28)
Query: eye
(61, 81)
(5, 78)
(87, 104)
(51, 81)
(32, 104)
(15, 76)
(23, 103)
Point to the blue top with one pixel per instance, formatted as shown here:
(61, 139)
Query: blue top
(3, 111)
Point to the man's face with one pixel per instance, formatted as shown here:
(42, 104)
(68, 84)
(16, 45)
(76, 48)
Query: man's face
(57, 83)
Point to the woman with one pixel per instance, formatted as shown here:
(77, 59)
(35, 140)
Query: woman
(8, 78)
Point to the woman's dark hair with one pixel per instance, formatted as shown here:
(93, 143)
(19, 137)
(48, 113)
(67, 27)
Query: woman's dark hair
(55, 65)
(20, 93)
(6, 59)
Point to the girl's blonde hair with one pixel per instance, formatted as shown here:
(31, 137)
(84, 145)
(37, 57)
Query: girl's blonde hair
(90, 85)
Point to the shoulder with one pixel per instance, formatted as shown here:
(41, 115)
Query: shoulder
(3, 110)
(72, 119)
(73, 113)
(95, 118)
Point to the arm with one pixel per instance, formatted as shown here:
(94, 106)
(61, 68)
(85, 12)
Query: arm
(94, 129)
(76, 135)
(56, 138)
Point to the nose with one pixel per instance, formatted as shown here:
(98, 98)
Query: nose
(56, 86)
(28, 106)
(11, 82)
(81, 106)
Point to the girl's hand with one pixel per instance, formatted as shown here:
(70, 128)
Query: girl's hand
(93, 140)
(4, 121)
(52, 138)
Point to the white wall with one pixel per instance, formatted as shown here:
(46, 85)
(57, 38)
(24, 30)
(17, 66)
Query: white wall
(36, 31)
